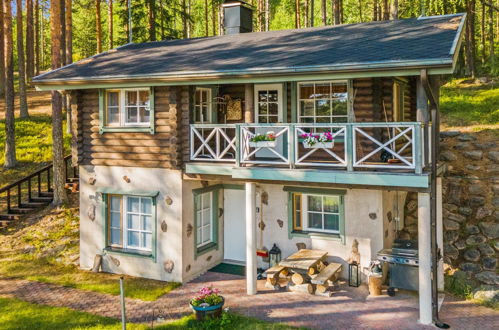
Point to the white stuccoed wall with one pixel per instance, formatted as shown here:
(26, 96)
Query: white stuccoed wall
(169, 243)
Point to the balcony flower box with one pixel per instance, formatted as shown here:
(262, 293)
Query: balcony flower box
(207, 304)
(262, 144)
(319, 145)
(267, 140)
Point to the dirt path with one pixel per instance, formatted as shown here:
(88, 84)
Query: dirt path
(38, 104)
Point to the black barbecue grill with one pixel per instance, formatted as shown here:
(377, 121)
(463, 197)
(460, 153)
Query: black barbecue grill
(403, 264)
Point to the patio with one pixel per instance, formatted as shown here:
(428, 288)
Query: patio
(348, 308)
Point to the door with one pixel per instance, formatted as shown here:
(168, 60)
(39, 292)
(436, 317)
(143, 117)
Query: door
(269, 110)
(234, 225)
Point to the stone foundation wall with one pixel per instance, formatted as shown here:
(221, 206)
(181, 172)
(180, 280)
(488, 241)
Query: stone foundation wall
(471, 204)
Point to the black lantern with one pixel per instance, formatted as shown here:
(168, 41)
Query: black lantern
(274, 256)
(353, 274)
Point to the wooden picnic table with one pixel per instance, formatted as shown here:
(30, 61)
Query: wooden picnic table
(304, 259)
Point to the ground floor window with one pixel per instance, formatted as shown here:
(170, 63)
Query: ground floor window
(313, 212)
(130, 222)
(206, 213)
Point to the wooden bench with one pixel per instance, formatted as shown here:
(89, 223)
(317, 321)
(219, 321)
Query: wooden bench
(330, 273)
(272, 275)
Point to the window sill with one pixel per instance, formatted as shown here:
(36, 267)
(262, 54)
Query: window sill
(139, 129)
(130, 252)
(206, 248)
(319, 235)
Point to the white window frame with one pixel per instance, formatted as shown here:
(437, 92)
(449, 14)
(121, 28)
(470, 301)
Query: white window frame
(124, 223)
(199, 218)
(305, 213)
(123, 108)
(198, 107)
(267, 87)
(398, 100)
(299, 99)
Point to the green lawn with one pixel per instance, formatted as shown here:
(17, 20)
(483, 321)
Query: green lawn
(33, 146)
(464, 104)
(18, 315)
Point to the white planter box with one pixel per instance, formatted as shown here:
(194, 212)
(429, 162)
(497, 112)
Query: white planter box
(263, 144)
(319, 145)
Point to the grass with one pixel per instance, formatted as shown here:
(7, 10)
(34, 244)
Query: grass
(46, 249)
(33, 146)
(464, 104)
(19, 315)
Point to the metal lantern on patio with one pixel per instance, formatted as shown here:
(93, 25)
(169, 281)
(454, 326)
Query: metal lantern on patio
(353, 274)
(274, 256)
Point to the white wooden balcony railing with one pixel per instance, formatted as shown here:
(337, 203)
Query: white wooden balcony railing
(354, 146)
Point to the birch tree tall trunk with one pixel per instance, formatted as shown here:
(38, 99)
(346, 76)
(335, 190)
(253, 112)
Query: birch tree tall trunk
(324, 12)
(37, 37)
(10, 135)
(2, 51)
(152, 20)
(306, 16)
(60, 196)
(23, 103)
(386, 10)
(394, 9)
(98, 27)
(110, 24)
(30, 40)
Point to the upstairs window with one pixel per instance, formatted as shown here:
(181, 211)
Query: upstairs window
(202, 105)
(323, 102)
(398, 101)
(126, 108)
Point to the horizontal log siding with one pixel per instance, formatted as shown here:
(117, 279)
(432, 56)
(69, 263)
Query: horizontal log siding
(161, 149)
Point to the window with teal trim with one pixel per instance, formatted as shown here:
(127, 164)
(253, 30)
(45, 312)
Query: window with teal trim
(316, 213)
(130, 223)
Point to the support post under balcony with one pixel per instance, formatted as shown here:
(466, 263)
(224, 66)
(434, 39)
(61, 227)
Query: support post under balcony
(251, 263)
(350, 147)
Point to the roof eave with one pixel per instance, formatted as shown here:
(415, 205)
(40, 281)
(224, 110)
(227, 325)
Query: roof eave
(387, 68)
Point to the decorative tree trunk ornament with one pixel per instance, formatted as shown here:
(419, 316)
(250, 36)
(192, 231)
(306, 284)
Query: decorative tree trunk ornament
(168, 200)
(168, 266)
(265, 198)
(126, 179)
(189, 230)
(91, 181)
(164, 226)
(261, 225)
(280, 223)
(188, 268)
(373, 216)
(115, 261)
(208, 259)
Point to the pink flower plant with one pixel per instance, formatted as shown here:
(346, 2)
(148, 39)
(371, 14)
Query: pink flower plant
(207, 296)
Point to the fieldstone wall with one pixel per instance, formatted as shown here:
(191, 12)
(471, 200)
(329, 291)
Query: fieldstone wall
(470, 206)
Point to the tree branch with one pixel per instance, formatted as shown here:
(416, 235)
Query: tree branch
(490, 4)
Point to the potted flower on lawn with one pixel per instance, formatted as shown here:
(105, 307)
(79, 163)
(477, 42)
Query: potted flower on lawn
(323, 140)
(207, 303)
(266, 140)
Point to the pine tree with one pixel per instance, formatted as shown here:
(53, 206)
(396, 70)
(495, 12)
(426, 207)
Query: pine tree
(152, 20)
(60, 196)
(110, 24)
(30, 40)
(23, 103)
(10, 135)
(2, 52)
(37, 37)
(98, 27)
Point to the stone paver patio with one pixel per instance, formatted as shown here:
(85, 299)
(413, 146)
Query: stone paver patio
(349, 308)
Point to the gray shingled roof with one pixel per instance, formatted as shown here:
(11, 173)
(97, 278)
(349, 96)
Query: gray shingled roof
(426, 42)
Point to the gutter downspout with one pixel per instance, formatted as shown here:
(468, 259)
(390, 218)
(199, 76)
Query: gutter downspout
(435, 143)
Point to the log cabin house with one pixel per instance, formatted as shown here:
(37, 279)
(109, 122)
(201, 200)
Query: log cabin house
(200, 151)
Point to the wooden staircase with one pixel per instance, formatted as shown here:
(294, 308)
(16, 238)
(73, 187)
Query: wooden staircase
(33, 192)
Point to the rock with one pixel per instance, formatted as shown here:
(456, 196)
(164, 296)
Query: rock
(495, 202)
(493, 156)
(495, 189)
(485, 145)
(465, 210)
(477, 189)
(474, 154)
(492, 169)
(410, 220)
(412, 206)
(486, 293)
(456, 217)
(483, 212)
(486, 250)
(471, 167)
(475, 201)
(448, 156)
(451, 236)
(496, 216)
(496, 245)
(472, 229)
(470, 267)
(460, 244)
(472, 255)
(451, 225)
(449, 134)
(489, 263)
(450, 207)
(462, 145)
(475, 239)
(454, 193)
(466, 137)
(450, 251)
(490, 229)
(488, 277)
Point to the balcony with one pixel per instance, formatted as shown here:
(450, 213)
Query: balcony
(352, 147)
